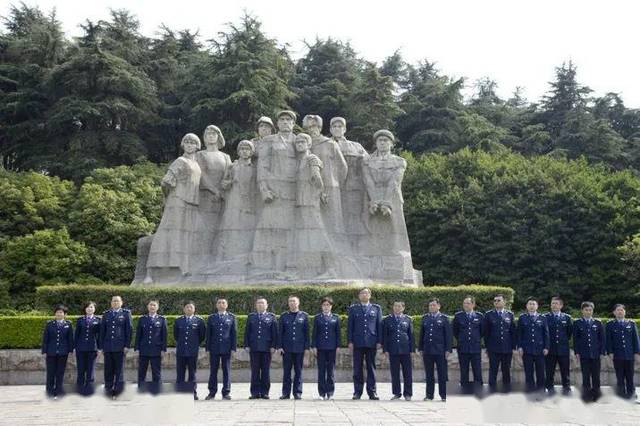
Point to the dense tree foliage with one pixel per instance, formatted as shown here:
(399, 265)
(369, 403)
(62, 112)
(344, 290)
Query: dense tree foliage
(542, 196)
(547, 226)
(55, 231)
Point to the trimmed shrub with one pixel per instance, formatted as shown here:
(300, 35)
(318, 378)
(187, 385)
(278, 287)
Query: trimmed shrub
(241, 299)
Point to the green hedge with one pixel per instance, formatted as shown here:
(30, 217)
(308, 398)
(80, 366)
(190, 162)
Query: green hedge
(25, 332)
(241, 299)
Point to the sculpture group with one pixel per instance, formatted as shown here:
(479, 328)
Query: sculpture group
(292, 208)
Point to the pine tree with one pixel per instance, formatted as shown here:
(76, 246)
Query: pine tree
(246, 77)
(431, 105)
(325, 79)
(565, 96)
(372, 105)
(31, 47)
(100, 101)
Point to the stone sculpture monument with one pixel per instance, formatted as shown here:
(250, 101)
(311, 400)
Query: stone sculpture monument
(293, 208)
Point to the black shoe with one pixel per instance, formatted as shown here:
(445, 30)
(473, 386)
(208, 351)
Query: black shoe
(264, 397)
(195, 397)
(566, 390)
(210, 396)
(394, 397)
(227, 397)
(329, 396)
(356, 396)
(254, 397)
(297, 396)
(407, 398)
(426, 398)
(284, 397)
(374, 397)
(443, 399)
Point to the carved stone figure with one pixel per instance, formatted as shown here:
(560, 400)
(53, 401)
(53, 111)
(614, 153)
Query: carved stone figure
(264, 128)
(172, 243)
(303, 208)
(387, 244)
(314, 254)
(334, 173)
(235, 236)
(276, 175)
(214, 165)
(353, 192)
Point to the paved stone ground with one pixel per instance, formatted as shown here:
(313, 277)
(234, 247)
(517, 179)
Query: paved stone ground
(26, 405)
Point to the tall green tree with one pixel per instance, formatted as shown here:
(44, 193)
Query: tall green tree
(372, 105)
(172, 57)
(325, 79)
(245, 77)
(431, 105)
(100, 101)
(31, 47)
(566, 96)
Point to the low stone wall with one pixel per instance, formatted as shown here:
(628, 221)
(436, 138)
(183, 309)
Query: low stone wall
(27, 366)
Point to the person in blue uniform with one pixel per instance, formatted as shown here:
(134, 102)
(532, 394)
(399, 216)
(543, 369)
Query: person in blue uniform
(325, 341)
(533, 345)
(189, 331)
(293, 343)
(115, 334)
(500, 341)
(87, 344)
(261, 340)
(560, 331)
(589, 346)
(623, 346)
(436, 340)
(57, 344)
(468, 330)
(222, 338)
(150, 342)
(398, 344)
(364, 335)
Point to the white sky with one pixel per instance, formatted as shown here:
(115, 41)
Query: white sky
(517, 43)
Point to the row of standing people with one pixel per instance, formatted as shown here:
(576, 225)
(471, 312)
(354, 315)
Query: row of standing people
(542, 340)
